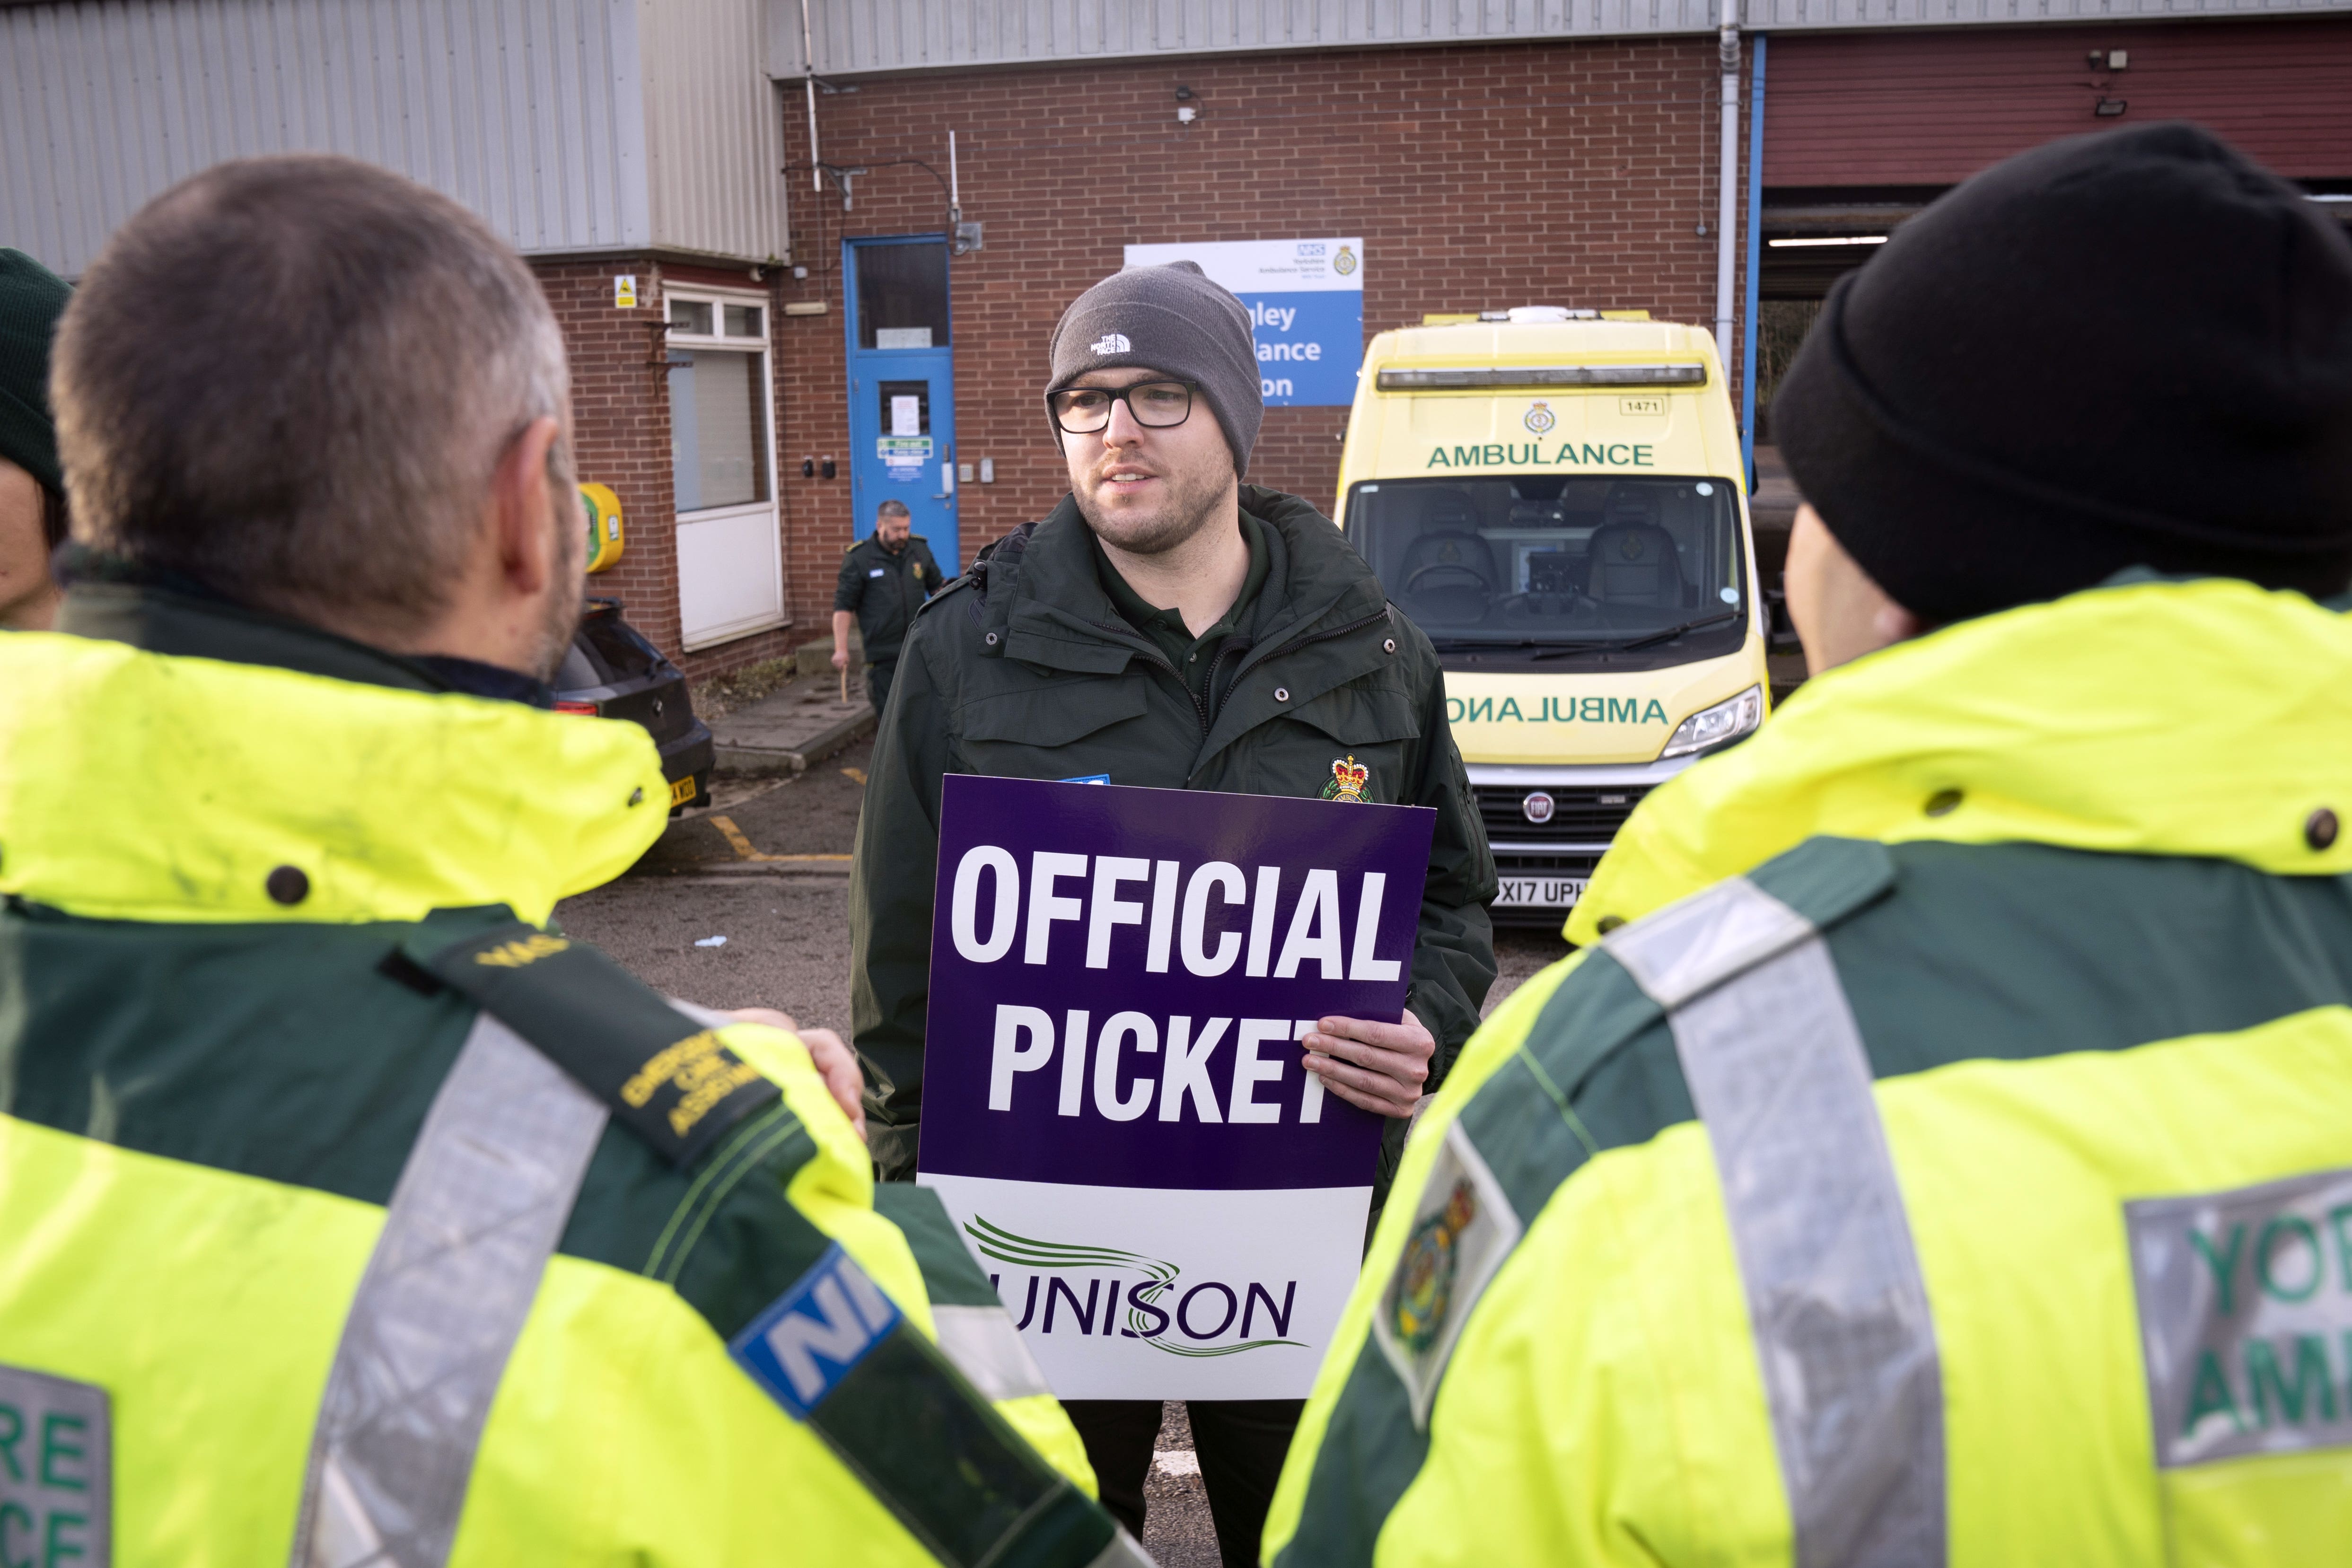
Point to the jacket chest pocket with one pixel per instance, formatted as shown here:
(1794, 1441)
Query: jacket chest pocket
(1072, 729)
(1355, 743)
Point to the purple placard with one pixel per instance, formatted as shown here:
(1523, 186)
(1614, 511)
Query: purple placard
(1185, 927)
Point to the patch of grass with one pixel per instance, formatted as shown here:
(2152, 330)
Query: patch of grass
(722, 695)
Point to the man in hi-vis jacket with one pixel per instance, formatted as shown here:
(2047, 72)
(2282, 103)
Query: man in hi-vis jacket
(1941, 1152)
(353, 1213)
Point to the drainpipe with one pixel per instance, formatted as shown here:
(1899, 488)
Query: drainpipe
(1726, 222)
(808, 65)
(1755, 260)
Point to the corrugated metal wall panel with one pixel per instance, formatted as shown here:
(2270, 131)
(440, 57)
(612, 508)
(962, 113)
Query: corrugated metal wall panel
(851, 36)
(1888, 109)
(713, 139)
(854, 36)
(529, 111)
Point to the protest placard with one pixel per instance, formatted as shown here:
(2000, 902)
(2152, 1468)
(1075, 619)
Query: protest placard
(1114, 1111)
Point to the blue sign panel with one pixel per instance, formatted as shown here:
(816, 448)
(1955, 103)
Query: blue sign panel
(1306, 299)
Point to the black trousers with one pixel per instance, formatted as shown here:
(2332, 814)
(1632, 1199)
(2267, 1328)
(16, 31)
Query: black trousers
(877, 682)
(1241, 1444)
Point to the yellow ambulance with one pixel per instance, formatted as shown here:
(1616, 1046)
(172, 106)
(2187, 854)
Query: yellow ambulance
(1557, 499)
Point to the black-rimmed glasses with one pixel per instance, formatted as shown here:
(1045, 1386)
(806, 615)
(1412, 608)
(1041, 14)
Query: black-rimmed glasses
(1082, 411)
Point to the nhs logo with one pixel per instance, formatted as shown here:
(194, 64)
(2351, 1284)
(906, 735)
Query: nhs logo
(812, 1336)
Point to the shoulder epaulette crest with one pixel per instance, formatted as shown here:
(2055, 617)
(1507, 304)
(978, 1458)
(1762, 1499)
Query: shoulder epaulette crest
(664, 1074)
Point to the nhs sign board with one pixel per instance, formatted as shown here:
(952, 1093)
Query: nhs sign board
(1306, 299)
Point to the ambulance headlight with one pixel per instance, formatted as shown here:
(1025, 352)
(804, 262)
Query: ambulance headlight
(1713, 727)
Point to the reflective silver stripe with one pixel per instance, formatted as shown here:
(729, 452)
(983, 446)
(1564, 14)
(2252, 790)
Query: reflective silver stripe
(988, 1350)
(1844, 1333)
(1699, 940)
(1122, 1552)
(478, 1209)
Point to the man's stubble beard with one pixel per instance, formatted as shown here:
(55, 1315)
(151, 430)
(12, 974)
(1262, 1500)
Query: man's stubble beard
(1192, 505)
(566, 594)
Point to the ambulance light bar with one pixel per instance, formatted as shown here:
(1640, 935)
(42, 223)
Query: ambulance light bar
(1543, 376)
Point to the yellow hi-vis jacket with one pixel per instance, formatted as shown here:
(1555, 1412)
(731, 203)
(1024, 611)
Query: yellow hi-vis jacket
(1945, 1156)
(350, 1216)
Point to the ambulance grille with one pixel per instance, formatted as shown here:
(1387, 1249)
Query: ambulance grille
(1579, 816)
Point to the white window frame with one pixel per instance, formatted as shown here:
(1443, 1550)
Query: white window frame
(762, 350)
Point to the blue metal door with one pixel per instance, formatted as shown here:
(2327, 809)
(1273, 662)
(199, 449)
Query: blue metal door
(902, 386)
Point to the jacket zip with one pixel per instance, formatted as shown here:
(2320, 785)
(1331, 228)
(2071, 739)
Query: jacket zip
(1208, 716)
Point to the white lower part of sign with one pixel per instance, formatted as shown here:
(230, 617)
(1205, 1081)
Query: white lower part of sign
(1161, 1293)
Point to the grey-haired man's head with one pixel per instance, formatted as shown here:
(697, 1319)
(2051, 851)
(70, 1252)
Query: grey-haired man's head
(300, 380)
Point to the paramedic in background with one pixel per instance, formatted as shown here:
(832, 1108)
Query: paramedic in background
(885, 578)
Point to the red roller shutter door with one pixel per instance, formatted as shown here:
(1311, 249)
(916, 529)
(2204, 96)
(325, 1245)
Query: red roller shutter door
(1928, 107)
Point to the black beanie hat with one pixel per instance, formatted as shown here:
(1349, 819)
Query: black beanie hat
(32, 297)
(2124, 349)
(1171, 318)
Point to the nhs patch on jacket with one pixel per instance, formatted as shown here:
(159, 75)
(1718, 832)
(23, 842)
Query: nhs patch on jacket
(1115, 1112)
(2245, 1315)
(814, 1334)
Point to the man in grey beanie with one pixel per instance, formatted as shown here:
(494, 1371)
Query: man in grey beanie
(1170, 627)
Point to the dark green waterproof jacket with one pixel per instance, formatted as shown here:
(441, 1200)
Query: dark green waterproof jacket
(1022, 668)
(885, 589)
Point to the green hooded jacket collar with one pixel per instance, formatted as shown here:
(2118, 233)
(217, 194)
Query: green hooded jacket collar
(2207, 717)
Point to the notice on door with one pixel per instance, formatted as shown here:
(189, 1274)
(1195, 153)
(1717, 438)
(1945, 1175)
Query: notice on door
(1114, 1111)
(905, 416)
(1306, 300)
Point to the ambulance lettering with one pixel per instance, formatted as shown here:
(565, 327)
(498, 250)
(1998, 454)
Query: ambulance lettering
(1544, 455)
(1555, 710)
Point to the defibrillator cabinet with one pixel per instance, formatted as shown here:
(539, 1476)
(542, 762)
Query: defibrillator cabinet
(604, 512)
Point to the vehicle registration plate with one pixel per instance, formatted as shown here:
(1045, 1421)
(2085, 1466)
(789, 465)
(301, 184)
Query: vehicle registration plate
(1540, 892)
(683, 790)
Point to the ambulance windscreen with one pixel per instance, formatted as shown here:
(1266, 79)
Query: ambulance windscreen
(1544, 559)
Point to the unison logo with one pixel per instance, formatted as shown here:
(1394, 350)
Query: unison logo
(1157, 1309)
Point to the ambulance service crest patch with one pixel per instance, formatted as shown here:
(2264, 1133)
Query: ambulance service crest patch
(1425, 1287)
(1344, 262)
(1348, 777)
(1540, 418)
(1464, 1228)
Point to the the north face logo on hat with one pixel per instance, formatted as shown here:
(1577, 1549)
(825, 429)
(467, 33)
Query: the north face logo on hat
(1111, 344)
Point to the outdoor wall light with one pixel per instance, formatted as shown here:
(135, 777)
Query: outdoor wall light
(1186, 112)
(827, 468)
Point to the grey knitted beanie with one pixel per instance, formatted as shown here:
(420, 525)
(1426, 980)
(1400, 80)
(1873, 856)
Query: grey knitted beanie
(1170, 319)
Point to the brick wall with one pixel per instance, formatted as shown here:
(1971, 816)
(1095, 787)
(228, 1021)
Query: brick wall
(1559, 173)
(620, 408)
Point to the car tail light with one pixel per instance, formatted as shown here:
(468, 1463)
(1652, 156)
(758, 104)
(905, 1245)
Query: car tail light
(588, 709)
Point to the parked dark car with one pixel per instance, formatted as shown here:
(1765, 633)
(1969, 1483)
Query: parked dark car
(613, 673)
